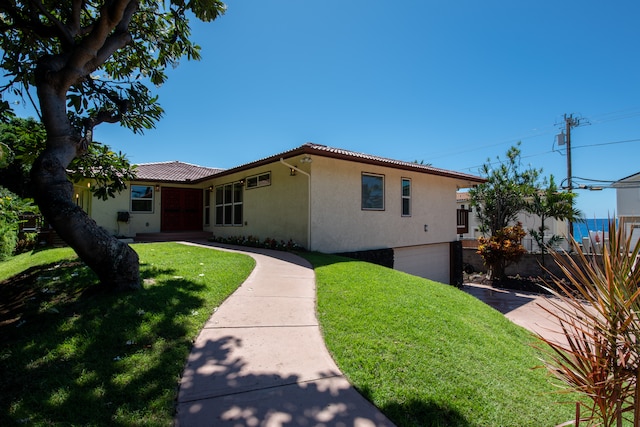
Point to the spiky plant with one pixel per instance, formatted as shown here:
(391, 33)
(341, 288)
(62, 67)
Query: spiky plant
(597, 310)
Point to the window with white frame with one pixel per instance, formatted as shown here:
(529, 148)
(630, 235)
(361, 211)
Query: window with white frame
(228, 204)
(372, 192)
(406, 197)
(261, 180)
(141, 198)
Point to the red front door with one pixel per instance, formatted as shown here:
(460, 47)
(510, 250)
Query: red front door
(181, 209)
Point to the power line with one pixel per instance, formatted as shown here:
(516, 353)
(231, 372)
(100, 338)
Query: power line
(556, 151)
(599, 118)
(606, 143)
(616, 115)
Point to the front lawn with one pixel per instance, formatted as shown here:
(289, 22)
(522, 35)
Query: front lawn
(74, 355)
(428, 354)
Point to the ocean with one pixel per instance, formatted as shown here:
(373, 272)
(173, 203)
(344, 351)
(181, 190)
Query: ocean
(581, 229)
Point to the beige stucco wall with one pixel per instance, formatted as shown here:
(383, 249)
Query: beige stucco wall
(340, 225)
(82, 195)
(105, 213)
(278, 211)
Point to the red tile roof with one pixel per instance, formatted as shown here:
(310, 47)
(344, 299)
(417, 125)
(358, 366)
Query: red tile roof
(185, 172)
(173, 172)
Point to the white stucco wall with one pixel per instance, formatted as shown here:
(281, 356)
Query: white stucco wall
(628, 201)
(628, 206)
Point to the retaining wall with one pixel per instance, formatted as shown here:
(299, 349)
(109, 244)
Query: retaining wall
(528, 266)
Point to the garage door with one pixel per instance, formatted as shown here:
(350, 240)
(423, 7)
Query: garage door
(428, 261)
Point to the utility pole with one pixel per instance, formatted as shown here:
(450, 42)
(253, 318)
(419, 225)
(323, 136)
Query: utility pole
(570, 122)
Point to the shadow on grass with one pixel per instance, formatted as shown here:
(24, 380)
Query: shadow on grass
(415, 412)
(426, 414)
(71, 354)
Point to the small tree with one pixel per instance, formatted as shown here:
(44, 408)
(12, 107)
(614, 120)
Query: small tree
(11, 207)
(501, 249)
(500, 199)
(551, 203)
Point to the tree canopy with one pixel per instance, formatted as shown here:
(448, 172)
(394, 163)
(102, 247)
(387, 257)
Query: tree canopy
(498, 201)
(505, 193)
(100, 56)
(25, 139)
(550, 202)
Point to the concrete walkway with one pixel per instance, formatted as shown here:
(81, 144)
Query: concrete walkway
(260, 360)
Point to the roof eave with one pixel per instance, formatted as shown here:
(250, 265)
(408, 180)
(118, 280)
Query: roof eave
(314, 149)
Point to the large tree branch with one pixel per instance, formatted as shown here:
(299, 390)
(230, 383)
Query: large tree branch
(63, 32)
(74, 21)
(21, 19)
(104, 116)
(101, 42)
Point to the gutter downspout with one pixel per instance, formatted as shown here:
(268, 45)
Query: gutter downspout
(308, 199)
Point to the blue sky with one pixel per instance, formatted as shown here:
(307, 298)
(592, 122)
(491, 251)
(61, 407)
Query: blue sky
(447, 83)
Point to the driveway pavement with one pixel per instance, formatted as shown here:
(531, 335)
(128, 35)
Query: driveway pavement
(522, 308)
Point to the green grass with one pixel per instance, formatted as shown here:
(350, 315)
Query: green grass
(426, 354)
(73, 355)
(429, 354)
(23, 262)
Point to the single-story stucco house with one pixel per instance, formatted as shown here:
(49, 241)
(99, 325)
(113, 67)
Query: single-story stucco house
(325, 199)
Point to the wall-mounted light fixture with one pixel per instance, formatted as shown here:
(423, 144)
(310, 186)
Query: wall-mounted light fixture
(292, 172)
(158, 187)
(88, 185)
(211, 188)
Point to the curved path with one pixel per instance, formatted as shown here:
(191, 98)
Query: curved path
(260, 360)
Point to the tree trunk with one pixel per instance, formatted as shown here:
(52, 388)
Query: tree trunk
(496, 271)
(115, 263)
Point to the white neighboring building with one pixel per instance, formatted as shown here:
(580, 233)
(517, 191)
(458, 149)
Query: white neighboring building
(628, 205)
(529, 222)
